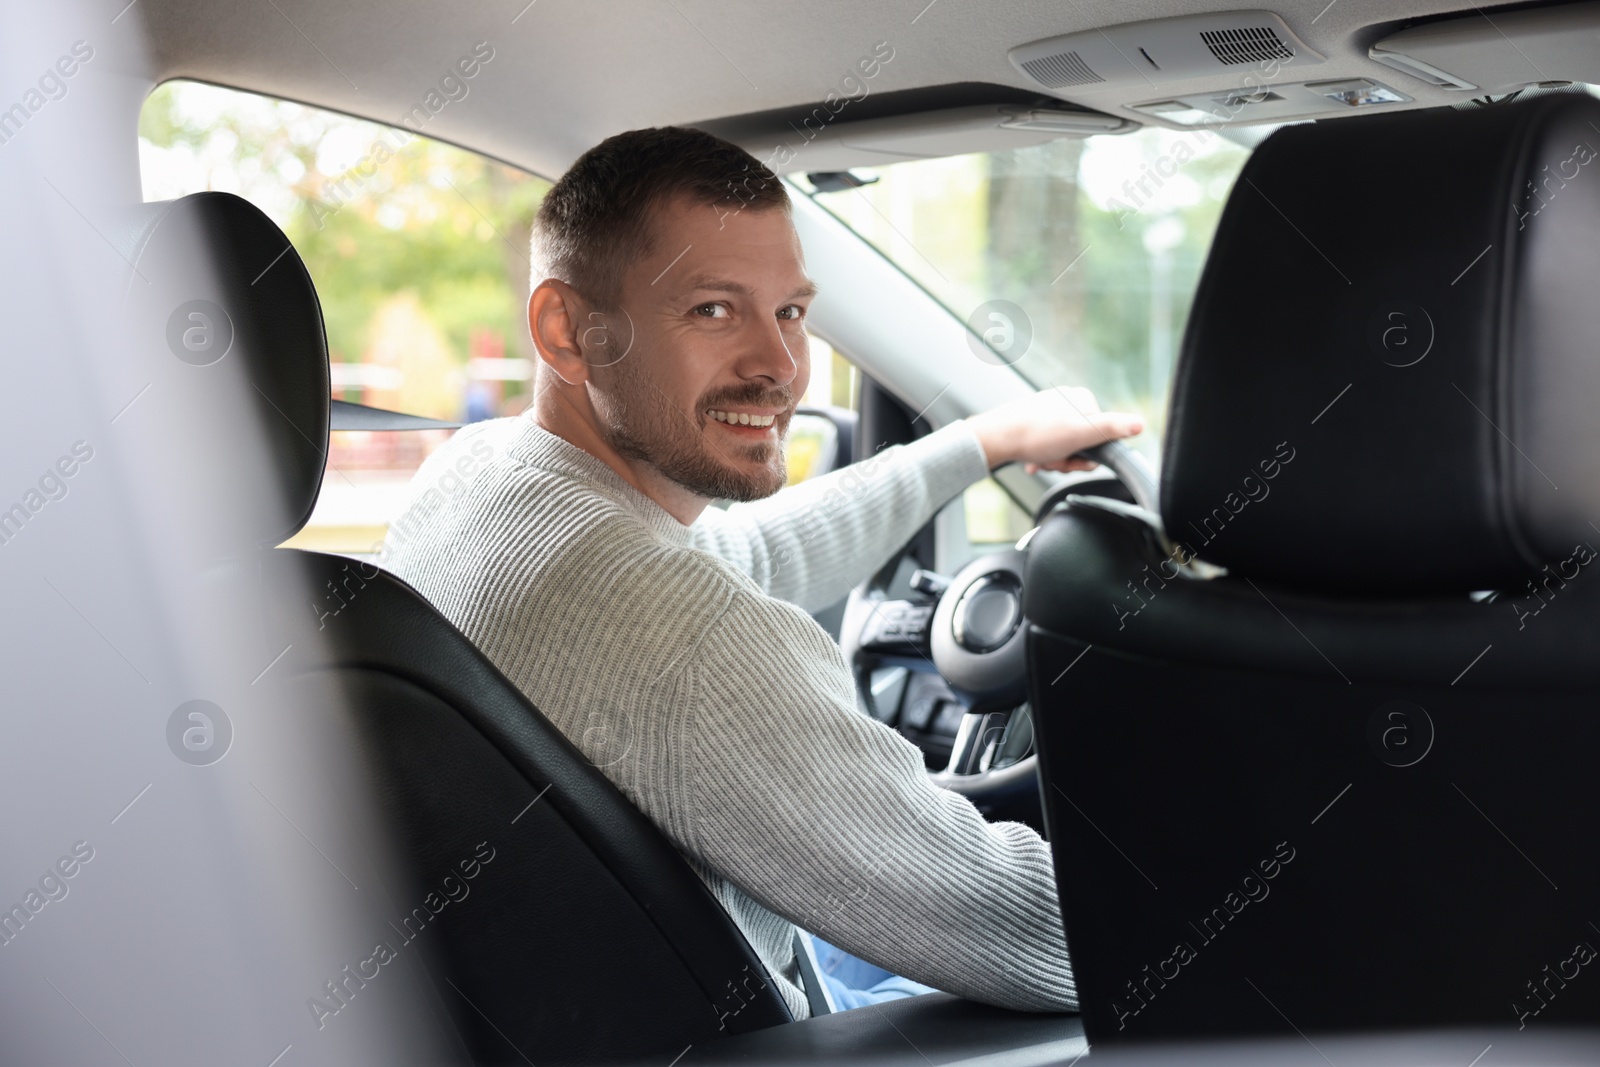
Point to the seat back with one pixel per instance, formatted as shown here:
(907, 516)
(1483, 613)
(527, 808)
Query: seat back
(556, 922)
(1340, 785)
(586, 938)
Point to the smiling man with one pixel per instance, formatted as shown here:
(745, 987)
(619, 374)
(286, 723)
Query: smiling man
(670, 641)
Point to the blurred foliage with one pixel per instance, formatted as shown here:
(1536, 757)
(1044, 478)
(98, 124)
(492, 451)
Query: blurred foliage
(1054, 230)
(375, 212)
(1117, 290)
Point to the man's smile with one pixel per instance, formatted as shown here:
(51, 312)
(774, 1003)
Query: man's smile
(747, 423)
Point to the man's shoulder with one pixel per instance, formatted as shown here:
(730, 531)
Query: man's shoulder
(475, 444)
(545, 545)
(509, 548)
(610, 594)
(455, 466)
(479, 490)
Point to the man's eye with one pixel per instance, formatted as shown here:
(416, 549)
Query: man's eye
(711, 311)
(792, 313)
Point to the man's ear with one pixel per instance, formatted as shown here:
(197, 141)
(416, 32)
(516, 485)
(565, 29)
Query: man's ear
(555, 315)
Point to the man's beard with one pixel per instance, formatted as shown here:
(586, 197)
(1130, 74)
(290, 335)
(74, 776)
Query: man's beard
(642, 423)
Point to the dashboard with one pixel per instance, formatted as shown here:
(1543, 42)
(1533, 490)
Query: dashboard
(942, 659)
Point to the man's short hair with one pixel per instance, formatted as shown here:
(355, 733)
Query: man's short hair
(596, 219)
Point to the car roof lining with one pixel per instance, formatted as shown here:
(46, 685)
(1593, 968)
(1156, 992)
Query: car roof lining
(659, 62)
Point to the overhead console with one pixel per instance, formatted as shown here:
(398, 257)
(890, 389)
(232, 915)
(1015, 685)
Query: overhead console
(1273, 72)
(1511, 50)
(1161, 51)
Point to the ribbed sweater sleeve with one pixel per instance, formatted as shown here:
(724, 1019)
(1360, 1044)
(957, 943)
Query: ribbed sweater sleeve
(812, 543)
(827, 818)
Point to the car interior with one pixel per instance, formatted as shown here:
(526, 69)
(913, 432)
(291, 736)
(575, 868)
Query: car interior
(1295, 684)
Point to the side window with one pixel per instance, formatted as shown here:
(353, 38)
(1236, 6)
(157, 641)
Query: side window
(419, 252)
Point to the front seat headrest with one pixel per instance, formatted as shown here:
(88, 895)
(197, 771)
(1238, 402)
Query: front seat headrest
(1391, 371)
(226, 329)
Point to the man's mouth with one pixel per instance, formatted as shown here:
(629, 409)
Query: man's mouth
(753, 420)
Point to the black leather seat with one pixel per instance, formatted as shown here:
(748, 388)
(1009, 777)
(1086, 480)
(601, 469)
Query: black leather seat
(1339, 786)
(592, 940)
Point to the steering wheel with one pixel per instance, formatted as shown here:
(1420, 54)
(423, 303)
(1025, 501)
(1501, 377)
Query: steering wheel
(969, 628)
(1135, 473)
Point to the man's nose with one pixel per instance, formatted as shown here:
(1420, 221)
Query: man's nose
(772, 354)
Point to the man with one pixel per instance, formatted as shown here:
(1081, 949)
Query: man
(670, 641)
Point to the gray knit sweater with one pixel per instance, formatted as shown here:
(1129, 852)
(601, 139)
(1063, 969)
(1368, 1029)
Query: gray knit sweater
(681, 661)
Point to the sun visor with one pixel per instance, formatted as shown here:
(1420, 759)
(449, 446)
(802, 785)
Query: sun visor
(1513, 50)
(809, 141)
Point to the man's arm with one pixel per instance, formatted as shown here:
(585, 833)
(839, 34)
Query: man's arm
(827, 818)
(812, 543)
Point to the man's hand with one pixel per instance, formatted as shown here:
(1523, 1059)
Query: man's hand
(1043, 431)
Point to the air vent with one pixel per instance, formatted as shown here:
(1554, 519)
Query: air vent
(1061, 70)
(1246, 44)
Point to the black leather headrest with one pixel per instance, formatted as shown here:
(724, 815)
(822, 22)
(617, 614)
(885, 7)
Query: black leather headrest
(1391, 374)
(227, 331)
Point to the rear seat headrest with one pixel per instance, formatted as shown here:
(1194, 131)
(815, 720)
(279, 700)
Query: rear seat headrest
(226, 325)
(1391, 373)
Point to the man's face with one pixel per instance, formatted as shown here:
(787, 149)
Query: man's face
(712, 324)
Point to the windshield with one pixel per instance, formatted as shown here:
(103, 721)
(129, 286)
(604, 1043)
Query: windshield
(1076, 261)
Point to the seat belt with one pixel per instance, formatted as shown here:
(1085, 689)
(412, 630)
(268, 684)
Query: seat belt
(811, 976)
(344, 415)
